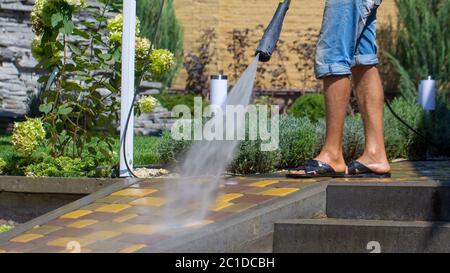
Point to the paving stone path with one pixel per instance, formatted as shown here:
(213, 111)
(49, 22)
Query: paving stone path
(124, 221)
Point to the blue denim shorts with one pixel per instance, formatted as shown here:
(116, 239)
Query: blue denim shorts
(347, 38)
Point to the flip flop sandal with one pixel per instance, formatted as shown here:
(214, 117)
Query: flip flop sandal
(358, 170)
(315, 168)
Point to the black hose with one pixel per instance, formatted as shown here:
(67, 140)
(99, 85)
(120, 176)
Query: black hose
(389, 106)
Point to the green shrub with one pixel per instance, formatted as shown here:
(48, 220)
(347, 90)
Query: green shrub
(66, 167)
(311, 106)
(169, 149)
(169, 101)
(27, 136)
(2, 165)
(298, 140)
(5, 228)
(250, 159)
(400, 141)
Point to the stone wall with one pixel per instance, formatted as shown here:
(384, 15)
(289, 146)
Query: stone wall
(17, 77)
(225, 15)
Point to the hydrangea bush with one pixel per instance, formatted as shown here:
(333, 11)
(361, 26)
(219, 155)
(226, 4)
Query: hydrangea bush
(147, 104)
(27, 136)
(5, 228)
(161, 61)
(82, 98)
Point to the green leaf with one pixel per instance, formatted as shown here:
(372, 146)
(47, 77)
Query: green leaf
(64, 110)
(105, 153)
(92, 151)
(56, 19)
(72, 86)
(75, 49)
(105, 56)
(46, 108)
(81, 33)
(67, 28)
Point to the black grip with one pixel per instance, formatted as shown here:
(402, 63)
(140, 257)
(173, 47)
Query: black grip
(271, 36)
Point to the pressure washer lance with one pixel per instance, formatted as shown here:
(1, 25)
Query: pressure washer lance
(271, 36)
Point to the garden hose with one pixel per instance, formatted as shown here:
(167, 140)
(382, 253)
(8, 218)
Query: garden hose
(389, 106)
(138, 83)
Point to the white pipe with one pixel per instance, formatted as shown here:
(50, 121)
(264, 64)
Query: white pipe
(127, 91)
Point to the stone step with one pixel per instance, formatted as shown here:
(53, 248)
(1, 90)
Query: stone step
(360, 236)
(424, 201)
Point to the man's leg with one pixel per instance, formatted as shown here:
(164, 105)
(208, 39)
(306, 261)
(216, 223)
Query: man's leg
(370, 95)
(337, 94)
(333, 62)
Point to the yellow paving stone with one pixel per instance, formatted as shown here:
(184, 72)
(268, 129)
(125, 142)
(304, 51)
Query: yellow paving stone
(221, 205)
(149, 201)
(265, 183)
(133, 248)
(76, 214)
(25, 238)
(113, 208)
(198, 224)
(125, 218)
(101, 235)
(140, 229)
(83, 223)
(279, 191)
(64, 241)
(44, 230)
(229, 196)
(134, 192)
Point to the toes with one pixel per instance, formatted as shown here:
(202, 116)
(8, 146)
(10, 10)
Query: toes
(297, 172)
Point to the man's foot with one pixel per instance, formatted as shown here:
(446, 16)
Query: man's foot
(314, 168)
(336, 163)
(376, 165)
(369, 167)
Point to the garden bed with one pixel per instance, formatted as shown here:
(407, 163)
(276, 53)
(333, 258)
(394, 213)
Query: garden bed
(25, 198)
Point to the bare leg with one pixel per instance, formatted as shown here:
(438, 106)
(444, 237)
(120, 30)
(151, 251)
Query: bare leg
(370, 95)
(337, 96)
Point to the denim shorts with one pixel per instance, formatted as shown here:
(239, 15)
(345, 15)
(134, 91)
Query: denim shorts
(347, 38)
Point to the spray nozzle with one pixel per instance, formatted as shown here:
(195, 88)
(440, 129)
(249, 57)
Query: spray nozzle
(272, 34)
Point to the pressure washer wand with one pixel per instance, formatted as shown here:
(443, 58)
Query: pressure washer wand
(272, 34)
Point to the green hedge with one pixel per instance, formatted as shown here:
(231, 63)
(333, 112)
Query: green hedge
(310, 106)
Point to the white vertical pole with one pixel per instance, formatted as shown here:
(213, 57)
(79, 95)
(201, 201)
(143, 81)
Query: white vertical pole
(127, 92)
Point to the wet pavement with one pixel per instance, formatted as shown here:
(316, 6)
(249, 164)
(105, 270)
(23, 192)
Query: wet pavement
(129, 220)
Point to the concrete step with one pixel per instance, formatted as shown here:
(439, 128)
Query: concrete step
(424, 201)
(360, 236)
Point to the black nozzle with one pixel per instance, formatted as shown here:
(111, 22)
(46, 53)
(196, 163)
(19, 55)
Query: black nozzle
(272, 34)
